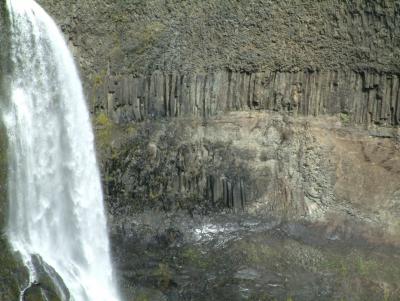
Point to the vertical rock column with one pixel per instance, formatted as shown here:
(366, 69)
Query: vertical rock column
(360, 97)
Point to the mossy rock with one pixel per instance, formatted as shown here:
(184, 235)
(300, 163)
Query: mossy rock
(39, 293)
(34, 294)
(13, 274)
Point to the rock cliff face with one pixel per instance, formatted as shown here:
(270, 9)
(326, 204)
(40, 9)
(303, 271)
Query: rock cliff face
(233, 134)
(139, 37)
(363, 98)
(173, 58)
(261, 163)
(194, 100)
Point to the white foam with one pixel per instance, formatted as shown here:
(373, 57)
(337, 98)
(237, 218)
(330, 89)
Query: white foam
(56, 202)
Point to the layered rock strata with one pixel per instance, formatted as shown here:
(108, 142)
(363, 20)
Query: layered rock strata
(280, 110)
(368, 98)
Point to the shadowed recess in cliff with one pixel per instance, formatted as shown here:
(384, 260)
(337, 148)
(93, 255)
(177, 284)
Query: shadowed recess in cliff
(56, 203)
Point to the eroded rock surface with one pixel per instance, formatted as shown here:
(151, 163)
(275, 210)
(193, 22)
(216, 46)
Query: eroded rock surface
(367, 98)
(264, 163)
(249, 149)
(190, 187)
(139, 37)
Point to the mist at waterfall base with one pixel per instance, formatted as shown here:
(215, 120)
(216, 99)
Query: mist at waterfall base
(56, 202)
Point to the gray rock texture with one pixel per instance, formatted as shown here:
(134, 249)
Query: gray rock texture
(267, 164)
(172, 58)
(368, 98)
(139, 37)
(249, 149)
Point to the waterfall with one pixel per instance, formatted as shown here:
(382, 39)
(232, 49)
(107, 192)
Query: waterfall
(56, 203)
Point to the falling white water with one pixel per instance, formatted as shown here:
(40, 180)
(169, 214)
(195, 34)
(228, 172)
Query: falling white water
(56, 203)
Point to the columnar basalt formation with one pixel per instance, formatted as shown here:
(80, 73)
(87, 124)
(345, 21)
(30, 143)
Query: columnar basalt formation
(283, 111)
(153, 68)
(150, 59)
(363, 98)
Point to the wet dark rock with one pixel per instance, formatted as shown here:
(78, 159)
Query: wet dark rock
(221, 257)
(180, 225)
(248, 149)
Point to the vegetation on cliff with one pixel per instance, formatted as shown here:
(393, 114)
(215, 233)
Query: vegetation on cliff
(196, 108)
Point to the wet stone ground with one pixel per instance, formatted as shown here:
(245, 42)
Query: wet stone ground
(162, 257)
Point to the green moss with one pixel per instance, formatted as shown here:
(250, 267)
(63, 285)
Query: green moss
(345, 118)
(142, 297)
(358, 264)
(365, 267)
(34, 295)
(337, 265)
(98, 78)
(104, 130)
(164, 275)
(258, 254)
(103, 120)
(12, 273)
(131, 130)
(49, 289)
(193, 256)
